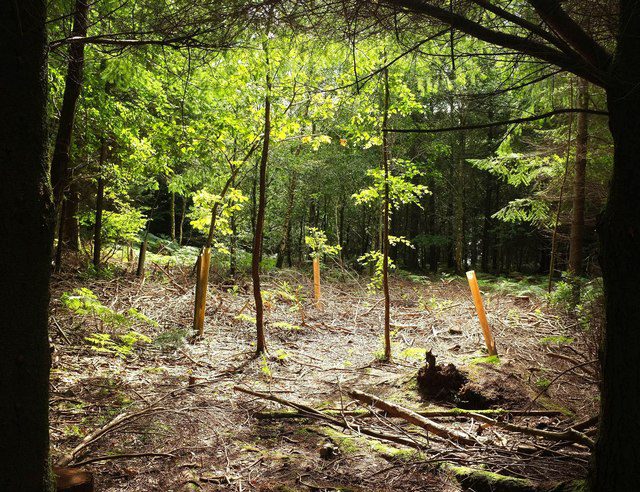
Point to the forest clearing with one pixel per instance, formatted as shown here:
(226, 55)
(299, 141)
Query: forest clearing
(320, 245)
(196, 431)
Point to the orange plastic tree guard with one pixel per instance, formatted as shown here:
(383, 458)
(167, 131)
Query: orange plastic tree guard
(316, 280)
(482, 315)
(202, 282)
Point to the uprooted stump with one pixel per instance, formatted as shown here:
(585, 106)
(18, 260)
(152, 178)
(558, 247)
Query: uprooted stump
(489, 387)
(439, 382)
(492, 387)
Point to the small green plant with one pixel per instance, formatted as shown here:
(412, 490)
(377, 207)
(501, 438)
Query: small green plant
(264, 366)
(245, 317)
(84, 302)
(376, 259)
(317, 240)
(543, 383)
(281, 354)
(122, 346)
(171, 339)
(286, 326)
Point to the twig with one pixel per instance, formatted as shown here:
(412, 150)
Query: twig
(60, 330)
(121, 456)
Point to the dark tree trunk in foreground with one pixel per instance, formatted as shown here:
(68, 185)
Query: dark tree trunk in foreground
(257, 238)
(577, 217)
(617, 451)
(72, 87)
(26, 222)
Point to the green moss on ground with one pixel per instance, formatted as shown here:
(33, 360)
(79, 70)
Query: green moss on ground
(353, 444)
(485, 481)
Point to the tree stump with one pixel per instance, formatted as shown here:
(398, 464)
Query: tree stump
(439, 382)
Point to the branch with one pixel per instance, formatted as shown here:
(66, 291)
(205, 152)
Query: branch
(525, 24)
(496, 123)
(569, 434)
(529, 47)
(174, 42)
(411, 417)
(551, 12)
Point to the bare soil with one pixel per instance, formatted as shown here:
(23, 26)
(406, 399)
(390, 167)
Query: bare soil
(206, 436)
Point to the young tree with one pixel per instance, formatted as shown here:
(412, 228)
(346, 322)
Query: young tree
(26, 219)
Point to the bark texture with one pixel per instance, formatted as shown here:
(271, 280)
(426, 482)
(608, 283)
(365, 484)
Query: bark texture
(26, 225)
(617, 453)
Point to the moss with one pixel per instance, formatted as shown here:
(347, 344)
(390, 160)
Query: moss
(416, 353)
(571, 486)
(391, 452)
(491, 359)
(347, 444)
(556, 340)
(353, 444)
(482, 480)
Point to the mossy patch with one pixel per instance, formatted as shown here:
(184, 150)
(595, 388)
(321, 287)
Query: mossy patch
(415, 353)
(557, 340)
(485, 481)
(353, 444)
(491, 359)
(571, 486)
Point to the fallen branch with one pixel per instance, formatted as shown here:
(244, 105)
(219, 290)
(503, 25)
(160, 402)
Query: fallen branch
(313, 413)
(121, 456)
(451, 412)
(570, 434)
(181, 288)
(411, 417)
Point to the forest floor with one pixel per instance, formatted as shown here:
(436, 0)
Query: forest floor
(180, 425)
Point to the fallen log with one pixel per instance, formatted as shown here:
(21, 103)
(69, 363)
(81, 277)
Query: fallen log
(412, 417)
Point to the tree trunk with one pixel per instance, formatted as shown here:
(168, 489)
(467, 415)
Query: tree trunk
(233, 246)
(577, 217)
(257, 238)
(458, 193)
(173, 216)
(385, 223)
(97, 232)
(71, 233)
(183, 214)
(286, 227)
(72, 87)
(486, 225)
(27, 224)
(57, 262)
(141, 257)
(617, 453)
